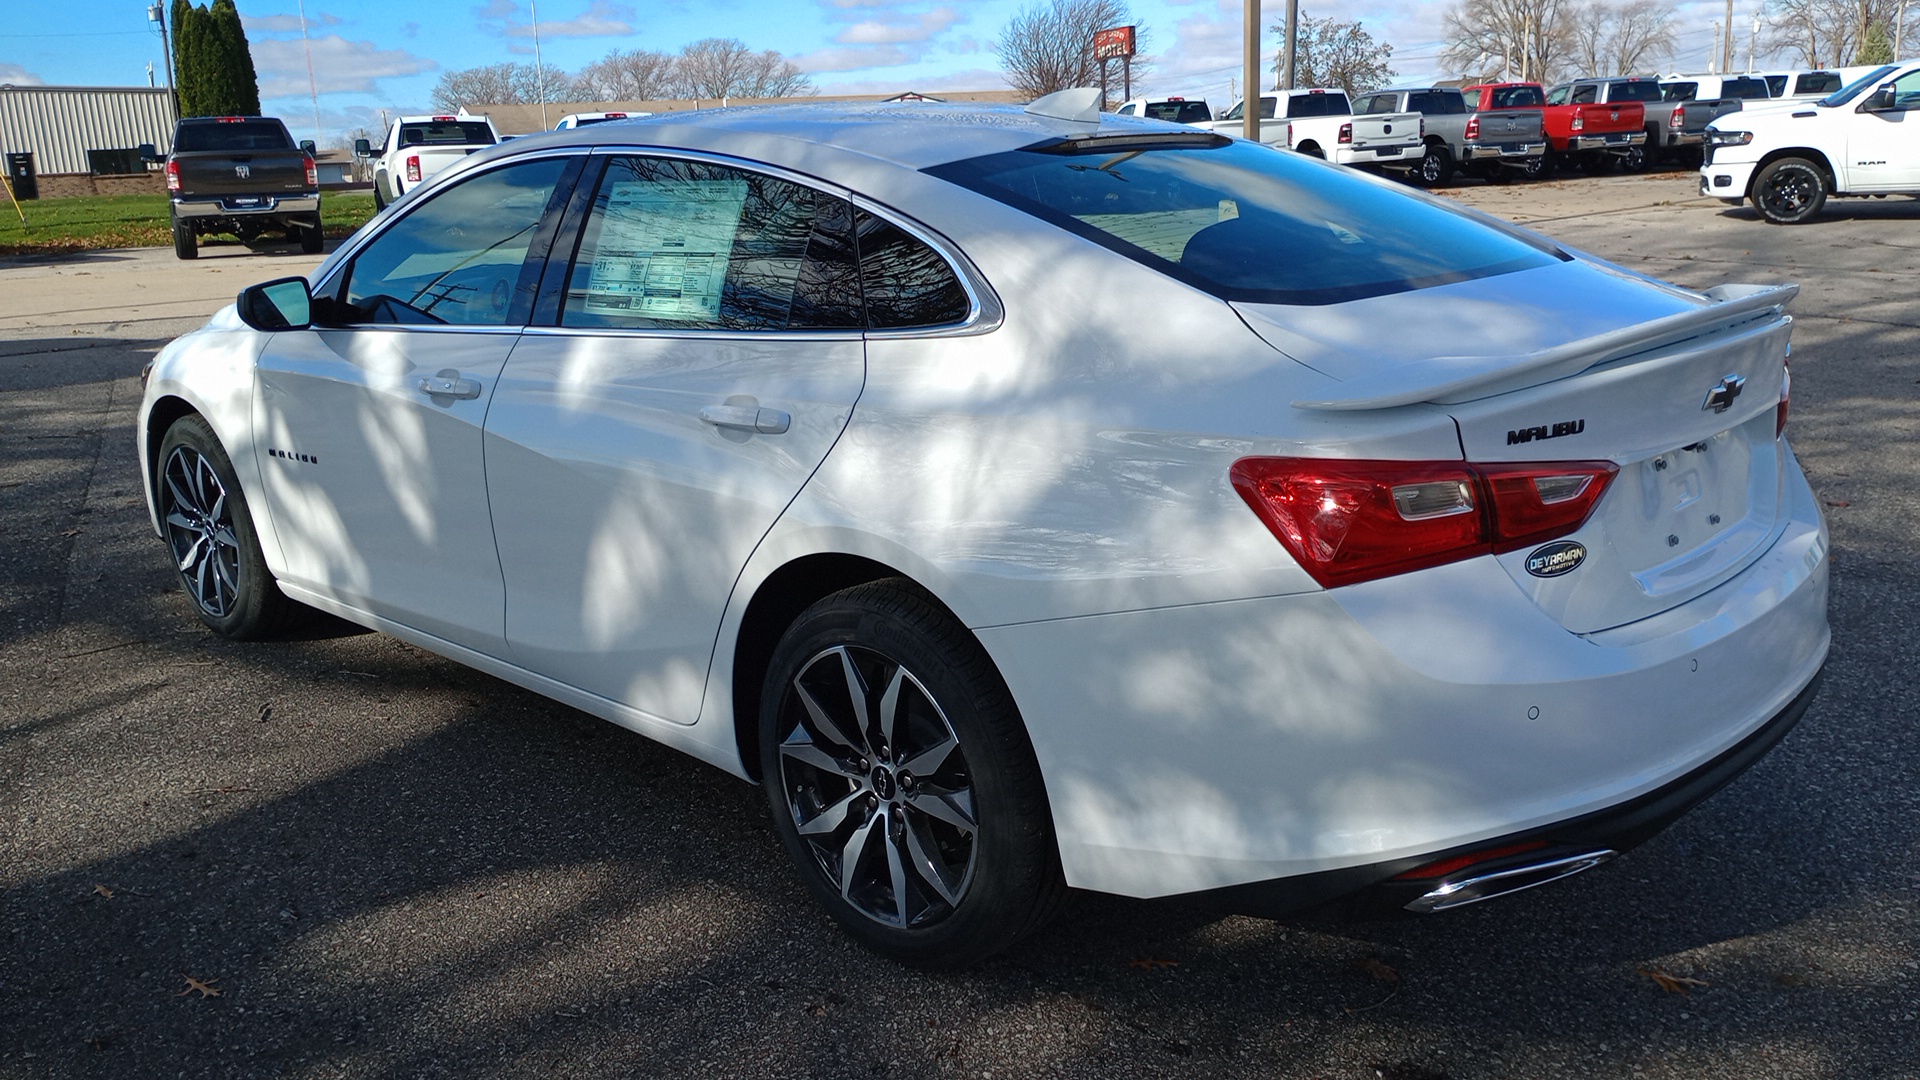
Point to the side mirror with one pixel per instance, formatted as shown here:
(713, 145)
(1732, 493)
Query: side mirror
(307, 145)
(149, 155)
(284, 304)
(1880, 100)
(362, 148)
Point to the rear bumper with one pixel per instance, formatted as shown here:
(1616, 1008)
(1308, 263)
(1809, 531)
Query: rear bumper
(227, 208)
(1383, 155)
(1378, 890)
(1621, 141)
(1516, 153)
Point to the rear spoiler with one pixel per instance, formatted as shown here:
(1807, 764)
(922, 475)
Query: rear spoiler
(1449, 380)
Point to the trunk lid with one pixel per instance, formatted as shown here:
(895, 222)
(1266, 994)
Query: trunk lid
(1502, 126)
(1681, 393)
(254, 172)
(1371, 130)
(1608, 119)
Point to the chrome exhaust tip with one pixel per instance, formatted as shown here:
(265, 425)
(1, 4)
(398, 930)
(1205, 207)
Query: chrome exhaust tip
(1507, 879)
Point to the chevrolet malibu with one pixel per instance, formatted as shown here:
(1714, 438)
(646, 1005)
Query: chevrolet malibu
(1031, 500)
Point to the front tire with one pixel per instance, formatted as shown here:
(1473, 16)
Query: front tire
(902, 781)
(1790, 191)
(210, 533)
(313, 236)
(379, 200)
(185, 245)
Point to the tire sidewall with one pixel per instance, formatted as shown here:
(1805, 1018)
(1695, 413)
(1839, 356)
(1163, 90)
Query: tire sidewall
(1435, 167)
(255, 594)
(1012, 849)
(1784, 165)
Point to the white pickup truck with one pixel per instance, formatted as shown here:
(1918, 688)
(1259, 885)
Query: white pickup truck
(1863, 139)
(1320, 122)
(416, 147)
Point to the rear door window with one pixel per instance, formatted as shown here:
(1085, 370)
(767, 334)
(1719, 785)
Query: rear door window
(906, 283)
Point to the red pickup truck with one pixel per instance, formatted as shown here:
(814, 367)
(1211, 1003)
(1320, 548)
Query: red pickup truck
(1581, 129)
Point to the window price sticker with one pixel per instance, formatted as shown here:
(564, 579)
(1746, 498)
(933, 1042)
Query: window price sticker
(664, 247)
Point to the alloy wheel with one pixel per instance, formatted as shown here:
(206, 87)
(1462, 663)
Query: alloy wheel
(200, 531)
(1788, 192)
(878, 787)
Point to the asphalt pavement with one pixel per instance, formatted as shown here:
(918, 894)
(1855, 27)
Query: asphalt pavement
(341, 856)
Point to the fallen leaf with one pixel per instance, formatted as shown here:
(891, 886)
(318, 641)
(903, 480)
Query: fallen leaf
(1838, 502)
(206, 988)
(1150, 963)
(102, 890)
(1672, 984)
(1378, 971)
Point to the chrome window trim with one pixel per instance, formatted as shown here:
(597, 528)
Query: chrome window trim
(351, 251)
(984, 312)
(839, 333)
(429, 328)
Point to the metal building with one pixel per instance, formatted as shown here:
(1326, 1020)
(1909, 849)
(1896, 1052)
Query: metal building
(84, 129)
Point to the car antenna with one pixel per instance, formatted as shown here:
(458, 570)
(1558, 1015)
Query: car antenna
(1081, 105)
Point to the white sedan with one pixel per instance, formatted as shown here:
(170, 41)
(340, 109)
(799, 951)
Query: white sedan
(1033, 499)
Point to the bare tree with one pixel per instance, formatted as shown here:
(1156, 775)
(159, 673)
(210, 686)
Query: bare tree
(725, 67)
(1335, 53)
(635, 75)
(1049, 47)
(499, 84)
(1507, 38)
(1827, 33)
(1611, 37)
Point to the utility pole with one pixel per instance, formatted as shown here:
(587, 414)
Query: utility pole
(1293, 45)
(1716, 52)
(313, 88)
(157, 14)
(1726, 58)
(540, 69)
(1899, 28)
(1526, 52)
(1753, 40)
(1250, 57)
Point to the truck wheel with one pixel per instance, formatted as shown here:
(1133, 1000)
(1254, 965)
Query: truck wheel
(1436, 168)
(1312, 150)
(379, 200)
(1637, 159)
(1790, 191)
(312, 234)
(184, 244)
(1539, 168)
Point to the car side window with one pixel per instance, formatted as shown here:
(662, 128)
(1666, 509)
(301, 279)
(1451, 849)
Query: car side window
(691, 245)
(1585, 95)
(907, 284)
(1906, 91)
(1557, 95)
(457, 258)
(1127, 109)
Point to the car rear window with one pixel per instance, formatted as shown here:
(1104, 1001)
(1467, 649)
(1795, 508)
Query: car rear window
(1679, 91)
(1180, 112)
(446, 133)
(1817, 82)
(1638, 90)
(1518, 97)
(1244, 222)
(1745, 89)
(267, 134)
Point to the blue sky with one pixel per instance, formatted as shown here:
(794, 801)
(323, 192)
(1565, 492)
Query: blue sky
(370, 55)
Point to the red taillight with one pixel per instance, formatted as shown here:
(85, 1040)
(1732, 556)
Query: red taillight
(1473, 127)
(1679, 118)
(313, 172)
(1289, 133)
(1444, 867)
(1352, 521)
(1423, 127)
(1579, 122)
(413, 168)
(1786, 392)
(1346, 133)
(173, 176)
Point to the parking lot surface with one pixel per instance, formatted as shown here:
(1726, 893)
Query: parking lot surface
(343, 856)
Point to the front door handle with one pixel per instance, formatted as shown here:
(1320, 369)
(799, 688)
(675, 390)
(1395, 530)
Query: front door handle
(747, 418)
(449, 384)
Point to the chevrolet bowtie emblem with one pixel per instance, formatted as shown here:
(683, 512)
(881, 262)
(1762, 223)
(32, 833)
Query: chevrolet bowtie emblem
(1720, 398)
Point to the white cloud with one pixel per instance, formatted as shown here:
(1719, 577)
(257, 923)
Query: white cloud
(853, 58)
(339, 66)
(896, 31)
(970, 79)
(19, 76)
(603, 18)
(285, 24)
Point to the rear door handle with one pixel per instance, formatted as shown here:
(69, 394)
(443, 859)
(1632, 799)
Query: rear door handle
(448, 383)
(747, 418)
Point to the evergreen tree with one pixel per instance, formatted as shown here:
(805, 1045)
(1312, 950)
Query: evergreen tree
(1875, 49)
(212, 64)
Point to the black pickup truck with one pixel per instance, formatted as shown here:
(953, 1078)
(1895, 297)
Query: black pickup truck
(241, 175)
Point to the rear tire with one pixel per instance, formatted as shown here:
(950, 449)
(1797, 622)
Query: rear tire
(1542, 167)
(313, 236)
(185, 246)
(902, 781)
(1313, 150)
(1637, 158)
(1790, 191)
